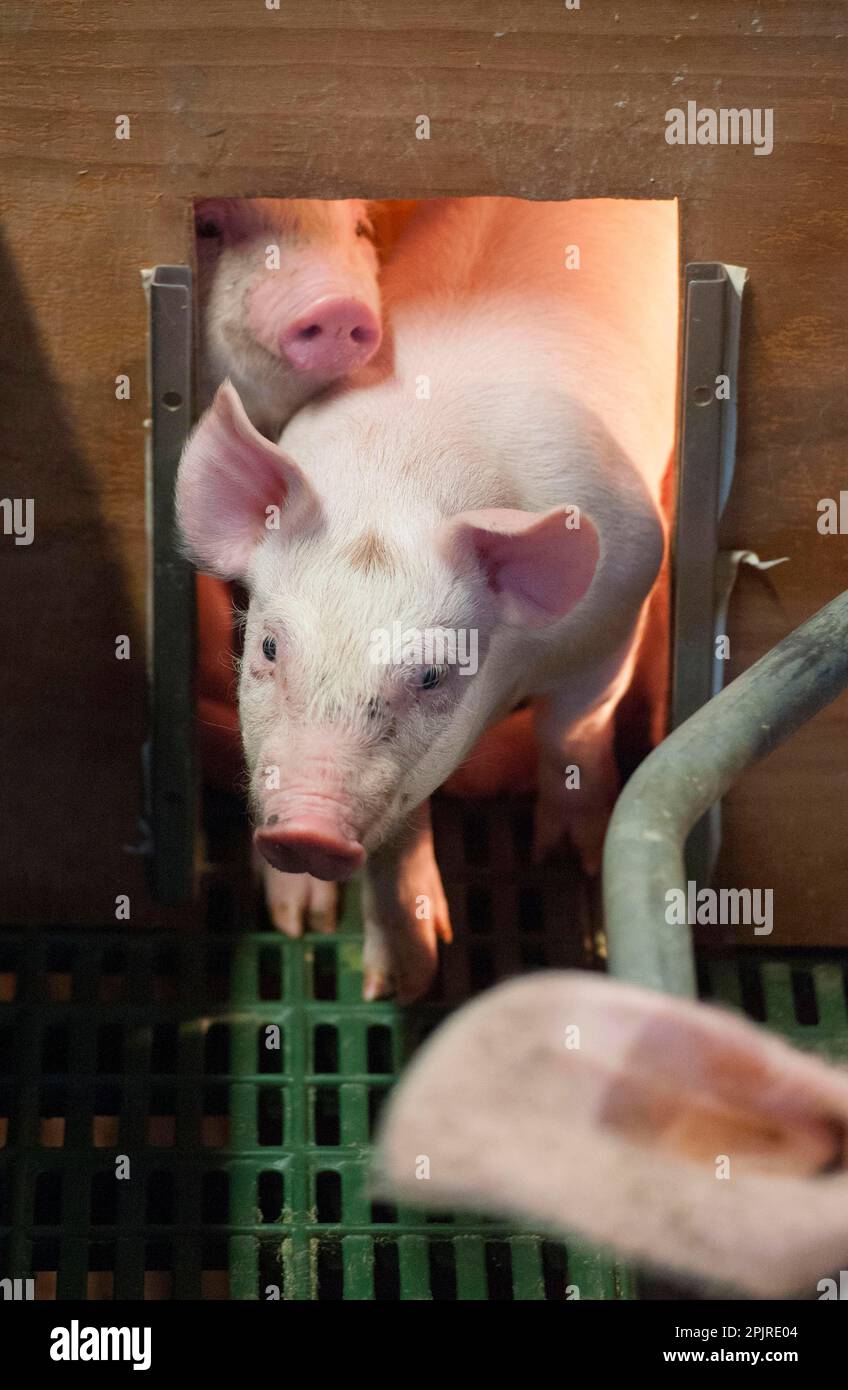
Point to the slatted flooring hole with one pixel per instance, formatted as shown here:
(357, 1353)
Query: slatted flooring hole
(165, 984)
(328, 1196)
(270, 1116)
(216, 1050)
(270, 973)
(554, 1271)
(380, 1049)
(326, 1116)
(158, 1266)
(271, 1277)
(215, 1271)
(475, 836)
(53, 1110)
(215, 1120)
(804, 997)
(161, 1124)
(270, 1193)
(269, 1049)
(103, 1200)
(111, 982)
(386, 1271)
(324, 973)
(478, 908)
(441, 1258)
(160, 1198)
(9, 958)
(325, 1048)
(215, 1197)
(499, 1271)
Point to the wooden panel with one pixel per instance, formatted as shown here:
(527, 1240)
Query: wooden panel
(526, 98)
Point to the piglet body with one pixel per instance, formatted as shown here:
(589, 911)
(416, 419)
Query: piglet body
(288, 299)
(460, 485)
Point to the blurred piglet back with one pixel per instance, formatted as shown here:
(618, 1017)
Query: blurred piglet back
(675, 1132)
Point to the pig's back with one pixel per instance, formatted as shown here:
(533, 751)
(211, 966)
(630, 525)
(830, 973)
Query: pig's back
(484, 281)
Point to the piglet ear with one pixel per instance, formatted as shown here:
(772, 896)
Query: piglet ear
(233, 486)
(538, 565)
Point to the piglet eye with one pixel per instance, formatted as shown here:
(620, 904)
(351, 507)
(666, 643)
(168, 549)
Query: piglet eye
(205, 227)
(432, 676)
(269, 647)
(363, 229)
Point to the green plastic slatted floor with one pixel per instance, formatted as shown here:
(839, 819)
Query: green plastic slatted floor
(244, 1164)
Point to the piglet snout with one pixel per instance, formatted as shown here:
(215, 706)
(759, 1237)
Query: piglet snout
(333, 337)
(309, 843)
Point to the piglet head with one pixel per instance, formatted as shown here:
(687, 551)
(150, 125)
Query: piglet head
(371, 645)
(289, 295)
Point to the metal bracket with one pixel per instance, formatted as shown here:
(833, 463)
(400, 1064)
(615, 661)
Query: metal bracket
(707, 455)
(170, 755)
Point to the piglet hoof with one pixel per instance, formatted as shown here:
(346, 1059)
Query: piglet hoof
(298, 902)
(399, 964)
(377, 983)
(400, 959)
(405, 911)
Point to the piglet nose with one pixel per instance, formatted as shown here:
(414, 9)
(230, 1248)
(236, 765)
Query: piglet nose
(335, 336)
(310, 846)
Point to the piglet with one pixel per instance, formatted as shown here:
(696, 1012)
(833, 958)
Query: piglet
(675, 1132)
(453, 533)
(288, 299)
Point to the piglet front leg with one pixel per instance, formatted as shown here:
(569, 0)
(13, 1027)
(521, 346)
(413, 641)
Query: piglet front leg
(297, 902)
(405, 913)
(578, 786)
(578, 777)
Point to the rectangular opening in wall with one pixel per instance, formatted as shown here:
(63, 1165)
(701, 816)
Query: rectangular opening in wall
(426, 434)
(520, 356)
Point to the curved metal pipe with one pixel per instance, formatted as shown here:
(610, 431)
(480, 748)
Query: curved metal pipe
(691, 769)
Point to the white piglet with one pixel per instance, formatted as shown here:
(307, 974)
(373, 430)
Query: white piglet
(458, 496)
(288, 299)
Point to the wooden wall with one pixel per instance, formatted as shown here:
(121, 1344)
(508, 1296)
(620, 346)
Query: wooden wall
(527, 98)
